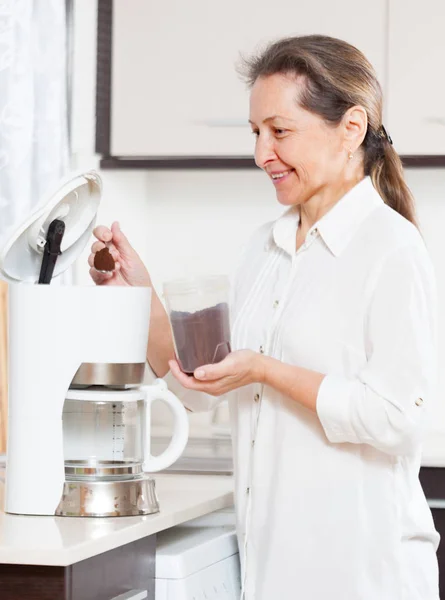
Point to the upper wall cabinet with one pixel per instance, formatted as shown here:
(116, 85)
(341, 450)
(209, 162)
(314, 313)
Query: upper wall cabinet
(416, 76)
(174, 86)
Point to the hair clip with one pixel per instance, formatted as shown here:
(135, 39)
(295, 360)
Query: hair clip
(385, 134)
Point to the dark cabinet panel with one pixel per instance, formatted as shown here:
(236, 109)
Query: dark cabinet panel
(433, 484)
(126, 568)
(18, 582)
(439, 522)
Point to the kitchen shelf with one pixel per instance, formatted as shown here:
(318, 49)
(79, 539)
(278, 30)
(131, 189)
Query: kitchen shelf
(111, 161)
(229, 162)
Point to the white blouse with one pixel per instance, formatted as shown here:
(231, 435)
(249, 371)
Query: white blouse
(329, 505)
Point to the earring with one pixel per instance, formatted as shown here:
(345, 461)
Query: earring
(350, 155)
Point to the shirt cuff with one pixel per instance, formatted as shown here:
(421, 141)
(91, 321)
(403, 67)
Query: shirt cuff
(333, 408)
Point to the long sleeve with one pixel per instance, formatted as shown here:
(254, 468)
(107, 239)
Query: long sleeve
(386, 404)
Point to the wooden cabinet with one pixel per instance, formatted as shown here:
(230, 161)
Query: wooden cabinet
(416, 84)
(439, 522)
(174, 86)
(433, 484)
(168, 93)
(125, 573)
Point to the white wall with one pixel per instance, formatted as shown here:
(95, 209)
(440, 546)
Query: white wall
(186, 222)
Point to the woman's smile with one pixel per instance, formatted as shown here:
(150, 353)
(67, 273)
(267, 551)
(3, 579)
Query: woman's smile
(279, 177)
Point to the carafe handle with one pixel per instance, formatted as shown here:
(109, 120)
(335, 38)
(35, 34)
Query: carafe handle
(159, 391)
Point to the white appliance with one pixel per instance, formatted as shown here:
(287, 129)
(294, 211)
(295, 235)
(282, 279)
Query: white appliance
(199, 560)
(94, 340)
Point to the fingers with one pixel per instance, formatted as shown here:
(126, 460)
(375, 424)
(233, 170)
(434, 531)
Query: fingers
(209, 373)
(120, 240)
(102, 233)
(114, 235)
(215, 371)
(118, 234)
(214, 388)
(97, 246)
(100, 278)
(185, 380)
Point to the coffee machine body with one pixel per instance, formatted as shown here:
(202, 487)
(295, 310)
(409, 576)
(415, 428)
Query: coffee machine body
(72, 349)
(54, 331)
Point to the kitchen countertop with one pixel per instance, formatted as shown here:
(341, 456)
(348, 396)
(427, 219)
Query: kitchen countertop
(62, 541)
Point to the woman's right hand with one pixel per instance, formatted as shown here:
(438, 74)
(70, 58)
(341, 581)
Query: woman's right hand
(129, 268)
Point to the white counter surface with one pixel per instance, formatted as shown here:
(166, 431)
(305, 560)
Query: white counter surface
(62, 541)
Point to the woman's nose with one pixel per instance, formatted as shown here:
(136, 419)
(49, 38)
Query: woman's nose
(264, 151)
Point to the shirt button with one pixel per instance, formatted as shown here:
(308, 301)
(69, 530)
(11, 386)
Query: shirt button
(256, 397)
(314, 232)
(248, 491)
(261, 349)
(253, 443)
(419, 402)
(276, 303)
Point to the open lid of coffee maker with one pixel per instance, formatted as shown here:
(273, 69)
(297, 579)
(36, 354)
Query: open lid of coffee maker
(75, 203)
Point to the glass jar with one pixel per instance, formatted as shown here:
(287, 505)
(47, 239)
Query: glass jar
(199, 316)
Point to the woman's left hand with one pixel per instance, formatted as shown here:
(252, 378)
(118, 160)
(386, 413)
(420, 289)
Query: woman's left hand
(238, 369)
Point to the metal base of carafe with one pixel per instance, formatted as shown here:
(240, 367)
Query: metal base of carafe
(122, 498)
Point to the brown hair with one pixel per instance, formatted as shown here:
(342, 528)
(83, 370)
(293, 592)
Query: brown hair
(338, 76)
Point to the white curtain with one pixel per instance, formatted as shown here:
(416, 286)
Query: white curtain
(33, 105)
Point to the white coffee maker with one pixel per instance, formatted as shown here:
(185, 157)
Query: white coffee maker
(79, 416)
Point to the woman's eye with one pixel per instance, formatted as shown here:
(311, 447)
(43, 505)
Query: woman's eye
(256, 133)
(279, 131)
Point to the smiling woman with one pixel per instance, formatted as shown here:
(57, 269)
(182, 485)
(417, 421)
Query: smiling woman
(334, 358)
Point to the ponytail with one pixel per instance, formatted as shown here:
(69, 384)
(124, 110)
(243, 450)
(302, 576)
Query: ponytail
(387, 176)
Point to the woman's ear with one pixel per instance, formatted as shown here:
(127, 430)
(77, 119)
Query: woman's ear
(355, 125)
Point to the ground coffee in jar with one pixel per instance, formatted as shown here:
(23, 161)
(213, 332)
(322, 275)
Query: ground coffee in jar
(201, 337)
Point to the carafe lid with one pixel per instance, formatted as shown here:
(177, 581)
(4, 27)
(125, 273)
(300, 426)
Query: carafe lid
(102, 394)
(75, 203)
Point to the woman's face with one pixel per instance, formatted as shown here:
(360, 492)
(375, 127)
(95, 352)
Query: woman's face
(300, 152)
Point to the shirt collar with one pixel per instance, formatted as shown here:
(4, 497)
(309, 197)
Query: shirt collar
(337, 226)
(284, 229)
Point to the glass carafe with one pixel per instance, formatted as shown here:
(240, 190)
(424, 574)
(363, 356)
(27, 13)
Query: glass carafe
(106, 433)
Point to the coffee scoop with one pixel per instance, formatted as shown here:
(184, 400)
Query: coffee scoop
(104, 261)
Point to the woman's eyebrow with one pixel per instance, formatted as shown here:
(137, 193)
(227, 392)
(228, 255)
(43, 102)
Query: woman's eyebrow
(267, 119)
